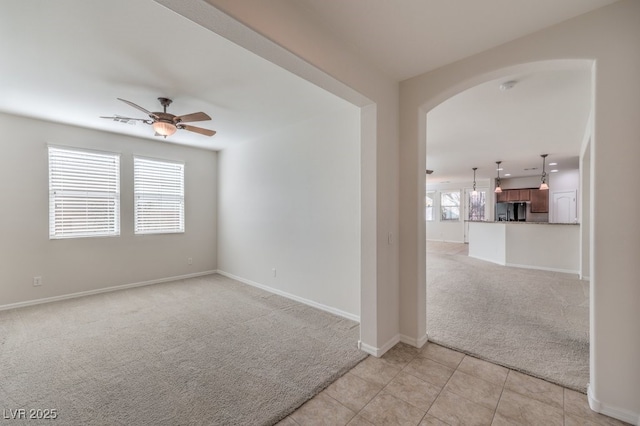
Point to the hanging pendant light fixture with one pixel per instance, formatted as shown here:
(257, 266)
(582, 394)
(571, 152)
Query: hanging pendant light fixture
(498, 189)
(474, 182)
(543, 185)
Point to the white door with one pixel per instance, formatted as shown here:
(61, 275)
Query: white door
(564, 207)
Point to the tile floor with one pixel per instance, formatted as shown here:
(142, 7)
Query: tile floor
(438, 386)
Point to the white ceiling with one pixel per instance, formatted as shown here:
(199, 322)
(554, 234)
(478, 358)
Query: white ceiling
(546, 112)
(69, 60)
(405, 38)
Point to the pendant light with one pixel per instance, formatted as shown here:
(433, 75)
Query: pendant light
(543, 185)
(474, 182)
(498, 189)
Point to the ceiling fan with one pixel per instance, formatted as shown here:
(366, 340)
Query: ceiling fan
(164, 123)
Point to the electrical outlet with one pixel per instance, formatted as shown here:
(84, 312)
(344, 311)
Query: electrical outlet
(37, 281)
(274, 271)
(190, 260)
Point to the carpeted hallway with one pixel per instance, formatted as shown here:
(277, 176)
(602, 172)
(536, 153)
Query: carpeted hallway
(528, 320)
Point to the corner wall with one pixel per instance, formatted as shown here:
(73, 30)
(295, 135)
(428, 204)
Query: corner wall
(609, 37)
(291, 202)
(294, 41)
(90, 264)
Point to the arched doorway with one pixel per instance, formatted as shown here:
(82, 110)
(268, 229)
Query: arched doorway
(584, 154)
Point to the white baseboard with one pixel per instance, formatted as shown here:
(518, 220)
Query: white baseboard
(418, 343)
(542, 268)
(488, 260)
(320, 306)
(445, 241)
(102, 290)
(378, 352)
(371, 350)
(615, 412)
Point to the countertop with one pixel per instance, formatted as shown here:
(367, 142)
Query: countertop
(521, 223)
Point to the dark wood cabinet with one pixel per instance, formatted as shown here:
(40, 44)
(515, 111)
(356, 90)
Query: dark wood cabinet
(513, 195)
(525, 195)
(502, 196)
(539, 201)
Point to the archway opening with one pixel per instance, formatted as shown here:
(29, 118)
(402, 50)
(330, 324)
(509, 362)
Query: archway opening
(485, 304)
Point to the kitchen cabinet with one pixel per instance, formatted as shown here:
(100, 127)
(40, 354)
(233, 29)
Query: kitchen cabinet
(513, 195)
(539, 201)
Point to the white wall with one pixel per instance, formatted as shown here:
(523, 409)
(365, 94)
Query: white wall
(291, 201)
(520, 182)
(585, 211)
(549, 247)
(86, 264)
(609, 37)
(488, 241)
(527, 245)
(277, 32)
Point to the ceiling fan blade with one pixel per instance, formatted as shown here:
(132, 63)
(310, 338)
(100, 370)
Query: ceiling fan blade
(149, 113)
(122, 118)
(196, 116)
(127, 120)
(200, 130)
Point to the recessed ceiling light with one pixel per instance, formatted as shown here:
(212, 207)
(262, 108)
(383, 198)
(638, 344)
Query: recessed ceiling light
(507, 174)
(554, 171)
(501, 169)
(553, 164)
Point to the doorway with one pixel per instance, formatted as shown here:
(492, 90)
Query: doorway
(564, 207)
(479, 285)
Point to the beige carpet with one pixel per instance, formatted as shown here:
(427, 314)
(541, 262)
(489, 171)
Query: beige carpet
(200, 351)
(533, 321)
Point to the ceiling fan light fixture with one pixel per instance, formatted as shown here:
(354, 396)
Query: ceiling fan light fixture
(498, 189)
(164, 123)
(163, 128)
(544, 186)
(474, 192)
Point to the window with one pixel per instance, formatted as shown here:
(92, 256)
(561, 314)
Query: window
(84, 193)
(429, 205)
(159, 196)
(477, 204)
(450, 205)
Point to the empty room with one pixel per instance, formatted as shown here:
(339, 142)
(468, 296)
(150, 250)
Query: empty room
(214, 211)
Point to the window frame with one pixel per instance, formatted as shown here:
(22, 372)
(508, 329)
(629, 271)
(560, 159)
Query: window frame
(74, 190)
(430, 195)
(444, 206)
(172, 198)
(483, 216)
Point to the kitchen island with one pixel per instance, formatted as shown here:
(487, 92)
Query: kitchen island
(547, 246)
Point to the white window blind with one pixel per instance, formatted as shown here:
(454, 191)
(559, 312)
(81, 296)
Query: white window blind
(84, 193)
(159, 196)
